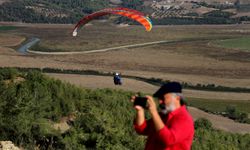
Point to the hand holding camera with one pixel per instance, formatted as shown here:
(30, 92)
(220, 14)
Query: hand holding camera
(140, 101)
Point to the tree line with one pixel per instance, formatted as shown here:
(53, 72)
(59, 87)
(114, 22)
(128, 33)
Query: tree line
(154, 81)
(75, 9)
(21, 11)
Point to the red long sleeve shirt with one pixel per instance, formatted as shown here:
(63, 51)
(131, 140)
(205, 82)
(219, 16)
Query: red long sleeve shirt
(177, 134)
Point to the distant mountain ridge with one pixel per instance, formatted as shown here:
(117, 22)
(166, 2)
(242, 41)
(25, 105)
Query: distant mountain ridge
(161, 11)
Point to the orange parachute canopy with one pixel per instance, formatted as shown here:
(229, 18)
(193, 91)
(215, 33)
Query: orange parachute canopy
(126, 12)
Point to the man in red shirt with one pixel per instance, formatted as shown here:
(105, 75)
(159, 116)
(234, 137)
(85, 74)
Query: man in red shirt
(170, 129)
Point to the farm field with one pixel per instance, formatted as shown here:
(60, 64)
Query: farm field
(189, 58)
(238, 43)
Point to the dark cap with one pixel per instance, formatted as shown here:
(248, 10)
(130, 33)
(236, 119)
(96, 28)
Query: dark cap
(170, 87)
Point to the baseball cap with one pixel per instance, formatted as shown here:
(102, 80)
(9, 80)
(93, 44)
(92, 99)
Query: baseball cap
(170, 87)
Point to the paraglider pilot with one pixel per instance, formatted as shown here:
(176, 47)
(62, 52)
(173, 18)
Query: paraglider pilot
(171, 128)
(117, 79)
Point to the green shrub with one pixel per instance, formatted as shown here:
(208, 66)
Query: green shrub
(203, 124)
(235, 114)
(8, 74)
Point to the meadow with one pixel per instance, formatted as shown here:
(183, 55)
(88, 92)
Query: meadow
(238, 43)
(213, 105)
(5, 28)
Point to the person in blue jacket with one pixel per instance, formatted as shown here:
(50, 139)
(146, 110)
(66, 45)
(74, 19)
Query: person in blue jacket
(117, 79)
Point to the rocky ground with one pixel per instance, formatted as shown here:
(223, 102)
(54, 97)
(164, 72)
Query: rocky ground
(8, 145)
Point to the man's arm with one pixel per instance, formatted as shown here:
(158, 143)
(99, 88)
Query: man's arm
(140, 117)
(140, 123)
(158, 123)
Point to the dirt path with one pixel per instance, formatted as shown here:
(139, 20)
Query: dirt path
(93, 81)
(98, 50)
(90, 81)
(221, 123)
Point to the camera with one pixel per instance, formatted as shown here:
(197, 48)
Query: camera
(141, 101)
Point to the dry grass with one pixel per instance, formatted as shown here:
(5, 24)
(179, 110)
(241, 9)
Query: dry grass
(105, 35)
(202, 10)
(16, 80)
(7, 40)
(94, 82)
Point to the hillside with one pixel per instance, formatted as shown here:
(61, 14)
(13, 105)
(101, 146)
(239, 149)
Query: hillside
(47, 11)
(32, 105)
(178, 8)
(161, 11)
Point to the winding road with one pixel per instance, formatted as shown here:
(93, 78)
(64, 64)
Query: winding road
(24, 49)
(29, 43)
(98, 50)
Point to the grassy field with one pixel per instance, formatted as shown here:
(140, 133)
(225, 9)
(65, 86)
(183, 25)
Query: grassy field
(219, 105)
(193, 62)
(99, 37)
(238, 43)
(105, 35)
(5, 28)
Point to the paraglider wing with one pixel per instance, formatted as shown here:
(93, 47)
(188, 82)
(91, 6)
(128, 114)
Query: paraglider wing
(145, 21)
(126, 12)
(87, 19)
